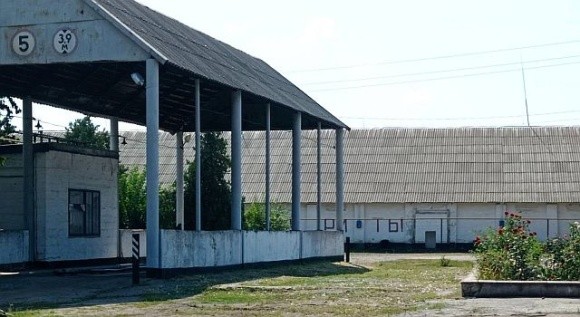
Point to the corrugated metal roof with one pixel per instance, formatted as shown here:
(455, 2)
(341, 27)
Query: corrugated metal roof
(409, 165)
(172, 42)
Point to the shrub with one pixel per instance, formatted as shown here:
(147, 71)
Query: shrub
(511, 252)
(255, 217)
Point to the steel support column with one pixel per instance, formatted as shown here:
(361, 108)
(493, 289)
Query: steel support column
(339, 179)
(114, 135)
(197, 156)
(236, 160)
(268, 157)
(152, 107)
(179, 180)
(296, 144)
(28, 162)
(318, 176)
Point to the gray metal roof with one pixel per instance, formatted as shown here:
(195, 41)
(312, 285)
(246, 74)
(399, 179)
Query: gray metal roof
(101, 86)
(410, 165)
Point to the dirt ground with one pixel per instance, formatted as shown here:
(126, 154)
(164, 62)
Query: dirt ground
(85, 291)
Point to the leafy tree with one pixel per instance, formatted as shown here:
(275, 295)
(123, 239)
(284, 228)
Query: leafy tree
(84, 131)
(132, 198)
(167, 207)
(133, 201)
(215, 189)
(255, 217)
(7, 110)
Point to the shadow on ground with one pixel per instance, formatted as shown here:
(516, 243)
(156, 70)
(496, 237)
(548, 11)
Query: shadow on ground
(47, 290)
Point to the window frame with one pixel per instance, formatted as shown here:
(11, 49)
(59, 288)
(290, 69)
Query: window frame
(87, 230)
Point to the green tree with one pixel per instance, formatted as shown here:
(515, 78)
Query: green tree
(84, 131)
(132, 198)
(215, 189)
(255, 217)
(8, 109)
(167, 207)
(133, 201)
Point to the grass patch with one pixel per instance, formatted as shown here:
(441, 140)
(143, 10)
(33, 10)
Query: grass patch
(312, 288)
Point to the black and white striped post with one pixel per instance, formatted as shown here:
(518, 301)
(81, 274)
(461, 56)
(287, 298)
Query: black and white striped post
(135, 248)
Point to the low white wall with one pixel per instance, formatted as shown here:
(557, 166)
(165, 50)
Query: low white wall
(270, 246)
(13, 247)
(126, 237)
(322, 244)
(189, 249)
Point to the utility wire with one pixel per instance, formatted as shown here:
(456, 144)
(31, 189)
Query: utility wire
(436, 57)
(440, 78)
(439, 71)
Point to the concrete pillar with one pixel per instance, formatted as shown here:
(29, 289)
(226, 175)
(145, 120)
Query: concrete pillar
(114, 135)
(296, 144)
(339, 179)
(236, 160)
(152, 107)
(318, 177)
(268, 171)
(179, 180)
(28, 162)
(197, 156)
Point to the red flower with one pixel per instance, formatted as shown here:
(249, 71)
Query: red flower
(500, 231)
(506, 213)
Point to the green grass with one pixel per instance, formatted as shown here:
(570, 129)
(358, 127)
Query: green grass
(315, 288)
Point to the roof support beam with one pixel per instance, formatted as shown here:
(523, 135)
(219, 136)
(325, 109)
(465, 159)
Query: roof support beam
(339, 179)
(179, 180)
(197, 156)
(318, 177)
(268, 171)
(28, 161)
(236, 148)
(114, 135)
(296, 144)
(152, 106)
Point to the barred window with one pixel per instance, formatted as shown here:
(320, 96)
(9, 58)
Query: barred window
(84, 213)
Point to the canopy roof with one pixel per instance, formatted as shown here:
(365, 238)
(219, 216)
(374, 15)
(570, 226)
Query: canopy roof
(101, 84)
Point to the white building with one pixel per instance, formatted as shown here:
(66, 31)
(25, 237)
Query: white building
(403, 182)
(75, 201)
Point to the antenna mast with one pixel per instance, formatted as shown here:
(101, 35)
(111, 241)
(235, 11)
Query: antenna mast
(525, 95)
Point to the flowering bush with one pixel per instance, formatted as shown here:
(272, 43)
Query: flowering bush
(513, 252)
(562, 258)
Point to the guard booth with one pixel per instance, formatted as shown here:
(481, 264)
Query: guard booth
(121, 60)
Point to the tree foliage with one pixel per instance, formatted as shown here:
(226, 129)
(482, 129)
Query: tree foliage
(8, 109)
(133, 201)
(215, 189)
(255, 217)
(85, 132)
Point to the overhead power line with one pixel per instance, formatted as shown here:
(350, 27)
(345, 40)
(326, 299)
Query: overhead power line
(435, 57)
(441, 78)
(441, 71)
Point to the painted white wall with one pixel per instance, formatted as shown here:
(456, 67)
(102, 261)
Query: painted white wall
(57, 172)
(13, 247)
(269, 246)
(190, 249)
(11, 187)
(322, 244)
(473, 220)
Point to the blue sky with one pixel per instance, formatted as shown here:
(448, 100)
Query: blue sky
(380, 63)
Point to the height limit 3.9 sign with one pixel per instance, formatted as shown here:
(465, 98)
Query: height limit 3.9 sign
(65, 41)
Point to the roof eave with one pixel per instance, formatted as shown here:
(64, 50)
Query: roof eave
(127, 31)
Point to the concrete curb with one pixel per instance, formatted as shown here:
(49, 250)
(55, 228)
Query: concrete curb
(472, 287)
